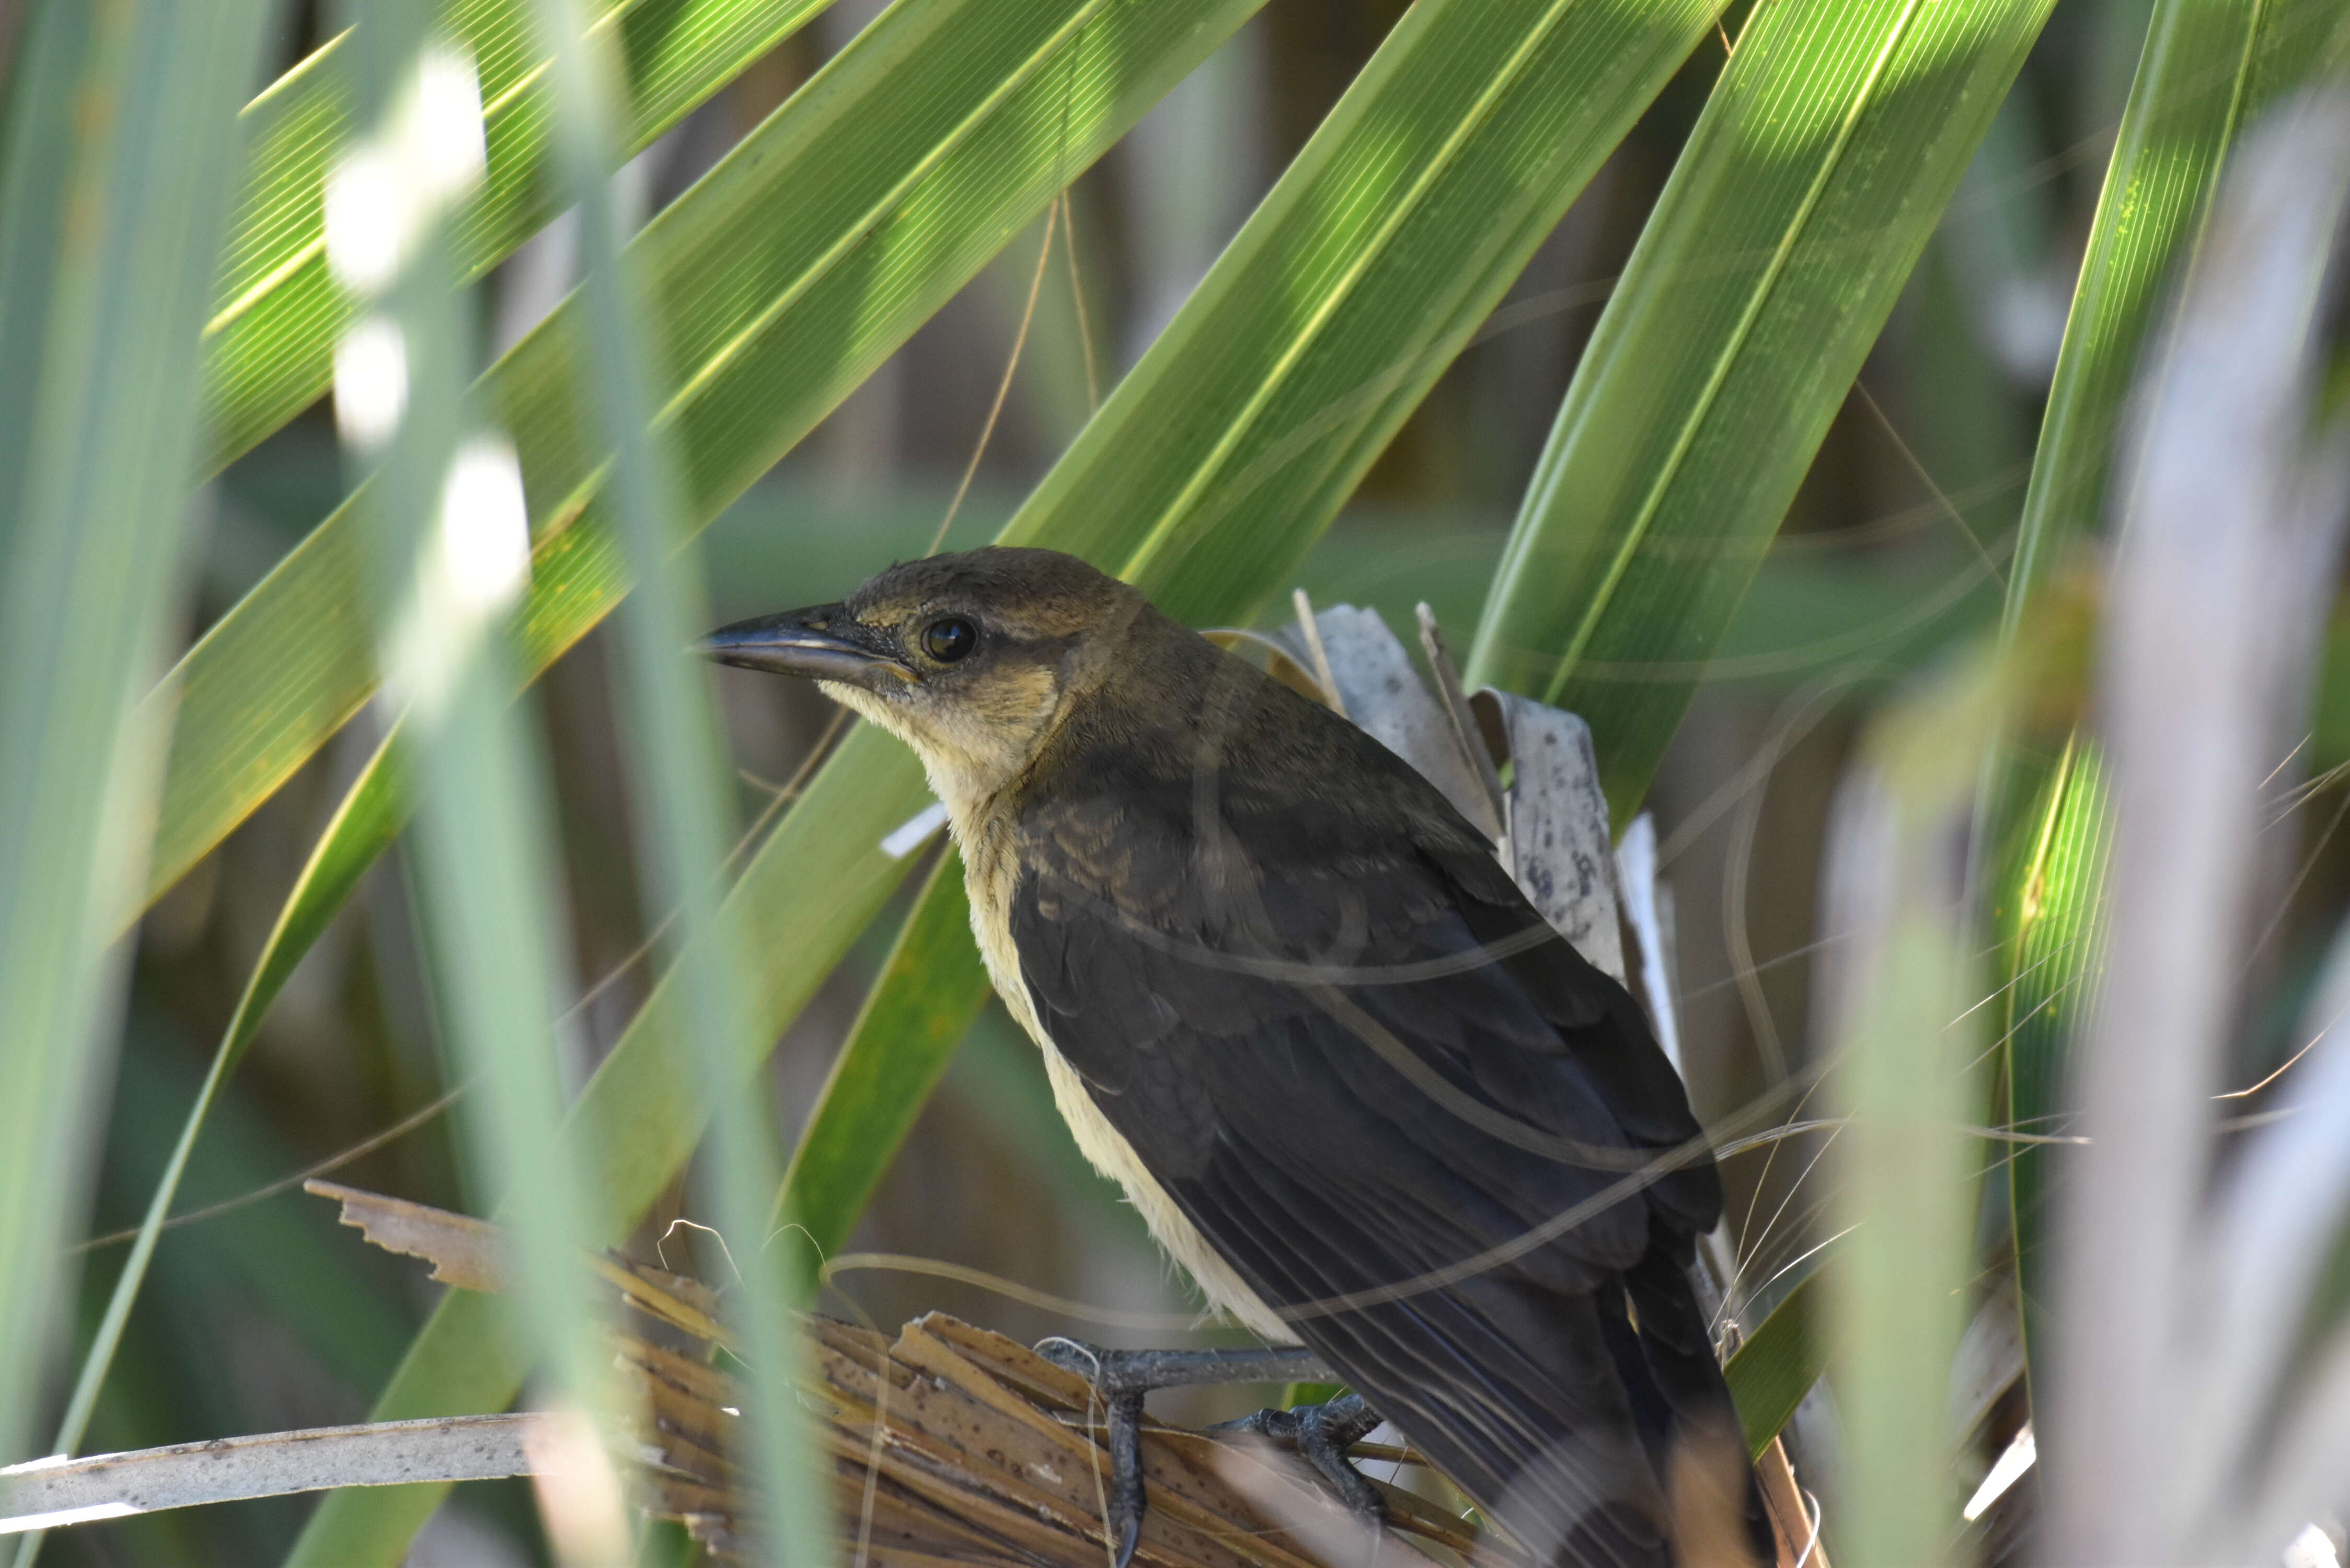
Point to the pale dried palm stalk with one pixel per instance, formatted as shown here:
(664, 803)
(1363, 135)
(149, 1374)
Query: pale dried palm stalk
(945, 1444)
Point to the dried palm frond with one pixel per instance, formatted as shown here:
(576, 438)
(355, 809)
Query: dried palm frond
(946, 1444)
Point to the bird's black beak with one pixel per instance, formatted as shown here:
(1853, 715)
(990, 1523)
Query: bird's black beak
(822, 643)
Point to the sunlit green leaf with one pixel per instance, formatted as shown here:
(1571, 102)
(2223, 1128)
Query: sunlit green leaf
(1817, 172)
(777, 283)
(2208, 69)
(1350, 290)
(277, 313)
(1263, 406)
(2048, 931)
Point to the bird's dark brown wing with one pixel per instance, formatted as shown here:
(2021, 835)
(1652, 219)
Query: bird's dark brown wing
(1233, 969)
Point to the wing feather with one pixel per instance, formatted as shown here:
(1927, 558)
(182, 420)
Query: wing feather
(1208, 961)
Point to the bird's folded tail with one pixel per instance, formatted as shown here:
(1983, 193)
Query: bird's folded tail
(1513, 1392)
(1676, 1350)
(1593, 1437)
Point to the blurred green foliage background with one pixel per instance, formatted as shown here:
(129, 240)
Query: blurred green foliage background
(1897, 546)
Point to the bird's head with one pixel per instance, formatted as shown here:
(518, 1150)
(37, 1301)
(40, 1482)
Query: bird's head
(970, 658)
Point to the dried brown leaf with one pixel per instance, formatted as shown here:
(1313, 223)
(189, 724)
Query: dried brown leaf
(463, 1251)
(949, 1445)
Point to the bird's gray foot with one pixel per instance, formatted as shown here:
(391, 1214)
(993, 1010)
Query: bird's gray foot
(1123, 1376)
(1123, 1513)
(1322, 1434)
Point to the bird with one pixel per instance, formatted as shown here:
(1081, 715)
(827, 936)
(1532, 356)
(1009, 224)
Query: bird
(1288, 998)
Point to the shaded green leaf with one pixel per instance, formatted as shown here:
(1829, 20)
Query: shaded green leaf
(685, 816)
(361, 829)
(120, 153)
(927, 994)
(1816, 175)
(1775, 1366)
(642, 1112)
(372, 812)
(1909, 1049)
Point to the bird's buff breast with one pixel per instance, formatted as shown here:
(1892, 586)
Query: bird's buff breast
(988, 872)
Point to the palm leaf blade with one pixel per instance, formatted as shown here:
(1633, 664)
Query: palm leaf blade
(2206, 72)
(639, 1110)
(270, 341)
(1816, 175)
(777, 283)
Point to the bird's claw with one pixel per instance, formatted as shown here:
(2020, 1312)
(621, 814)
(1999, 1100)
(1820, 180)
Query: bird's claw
(1123, 1513)
(1322, 1434)
(1121, 1378)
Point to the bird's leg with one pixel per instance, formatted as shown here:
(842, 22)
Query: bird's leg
(1123, 1513)
(1323, 1433)
(1123, 1376)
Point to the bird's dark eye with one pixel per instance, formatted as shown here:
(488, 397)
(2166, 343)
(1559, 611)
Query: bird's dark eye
(950, 639)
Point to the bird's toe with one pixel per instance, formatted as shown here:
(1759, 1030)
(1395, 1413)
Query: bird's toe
(1322, 1434)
